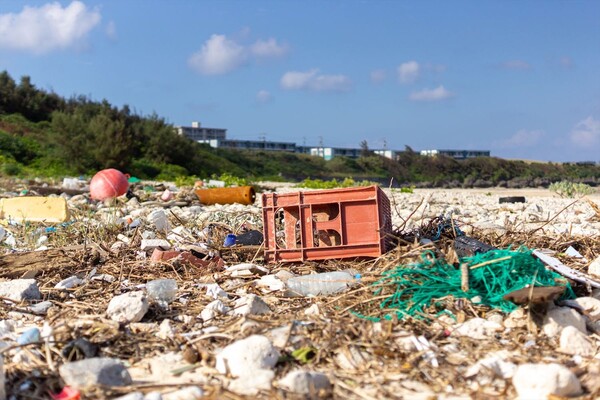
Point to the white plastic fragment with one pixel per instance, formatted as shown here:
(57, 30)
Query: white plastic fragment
(214, 290)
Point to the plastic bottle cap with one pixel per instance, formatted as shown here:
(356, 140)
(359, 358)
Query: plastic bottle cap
(229, 240)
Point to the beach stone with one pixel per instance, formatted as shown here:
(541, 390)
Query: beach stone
(516, 319)
(93, 372)
(20, 289)
(538, 381)
(166, 329)
(132, 396)
(246, 356)
(559, 317)
(250, 304)
(247, 269)
(594, 268)
(478, 328)
(589, 305)
(7, 328)
(251, 384)
(306, 382)
(213, 309)
(188, 393)
(572, 341)
(128, 307)
(151, 244)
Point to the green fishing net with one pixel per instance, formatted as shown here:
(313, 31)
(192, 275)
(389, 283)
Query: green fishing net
(496, 273)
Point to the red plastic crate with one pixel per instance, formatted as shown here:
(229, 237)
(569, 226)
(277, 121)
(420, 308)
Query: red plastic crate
(326, 224)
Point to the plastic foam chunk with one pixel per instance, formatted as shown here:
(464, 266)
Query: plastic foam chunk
(35, 209)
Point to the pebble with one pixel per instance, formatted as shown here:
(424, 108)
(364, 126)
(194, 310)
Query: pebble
(166, 330)
(92, 372)
(539, 381)
(316, 384)
(128, 307)
(20, 289)
(69, 283)
(212, 309)
(251, 384)
(151, 244)
(559, 317)
(246, 356)
(594, 268)
(31, 335)
(250, 304)
(516, 319)
(188, 393)
(589, 305)
(573, 341)
(478, 328)
(132, 396)
(247, 269)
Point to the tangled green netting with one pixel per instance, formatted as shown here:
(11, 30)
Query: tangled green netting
(418, 285)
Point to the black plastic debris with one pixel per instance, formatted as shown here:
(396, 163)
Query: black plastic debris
(467, 246)
(512, 199)
(79, 349)
(250, 238)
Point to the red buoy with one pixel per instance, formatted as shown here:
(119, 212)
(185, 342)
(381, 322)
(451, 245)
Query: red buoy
(108, 183)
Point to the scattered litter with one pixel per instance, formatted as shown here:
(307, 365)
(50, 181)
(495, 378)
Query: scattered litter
(433, 283)
(323, 284)
(162, 291)
(107, 184)
(511, 199)
(227, 195)
(34, 209)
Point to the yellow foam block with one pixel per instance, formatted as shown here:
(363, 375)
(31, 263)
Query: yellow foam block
(35, 209)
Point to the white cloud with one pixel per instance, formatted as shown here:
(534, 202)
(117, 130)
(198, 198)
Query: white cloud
(378, 76)
(263, 96)
(49, 27)
(217, 56)
(408, 72)
(522, 138)
(516, 64)
(312, 80)
(439, 93)
(268, 48)
(220, 54)
(586, 133)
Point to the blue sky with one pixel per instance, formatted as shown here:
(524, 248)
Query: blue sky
(521, 79)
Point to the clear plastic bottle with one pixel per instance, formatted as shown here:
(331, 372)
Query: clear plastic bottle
(323, 284)
(162, 291)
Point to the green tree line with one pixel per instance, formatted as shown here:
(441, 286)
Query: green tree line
(42, 133)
